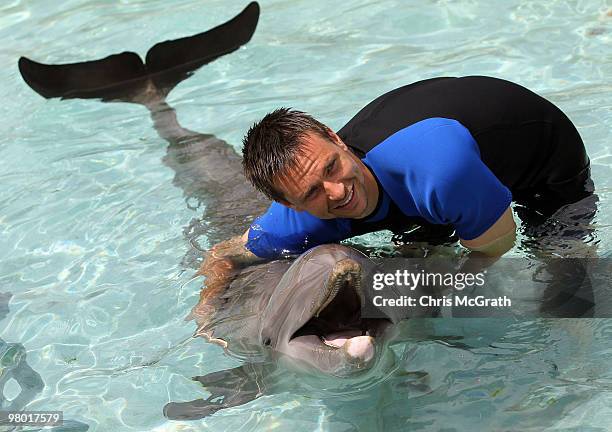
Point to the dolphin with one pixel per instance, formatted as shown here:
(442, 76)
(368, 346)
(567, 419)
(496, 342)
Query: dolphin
(206, 167)
(307, 311)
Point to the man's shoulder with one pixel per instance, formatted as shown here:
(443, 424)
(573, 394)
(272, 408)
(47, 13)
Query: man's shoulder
(424, 130)
(424, 145)
(424, 161)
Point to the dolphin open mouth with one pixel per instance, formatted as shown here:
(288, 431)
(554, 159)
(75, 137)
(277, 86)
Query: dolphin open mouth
(336, 322)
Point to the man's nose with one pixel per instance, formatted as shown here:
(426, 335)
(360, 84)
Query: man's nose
(334, 191)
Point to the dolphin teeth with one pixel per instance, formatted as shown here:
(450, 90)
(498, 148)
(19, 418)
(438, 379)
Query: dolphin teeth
(329, 344)
(345, 271)
(339, 339)
(330, 297)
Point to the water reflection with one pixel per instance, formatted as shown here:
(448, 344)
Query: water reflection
(14, 366)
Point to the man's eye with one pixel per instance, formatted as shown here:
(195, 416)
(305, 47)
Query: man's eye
(311, 194)
(331, 166)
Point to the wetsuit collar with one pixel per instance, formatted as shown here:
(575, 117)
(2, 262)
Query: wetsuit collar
(382, 206)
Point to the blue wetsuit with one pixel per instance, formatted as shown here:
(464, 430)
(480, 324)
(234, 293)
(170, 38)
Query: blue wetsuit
(445, 151)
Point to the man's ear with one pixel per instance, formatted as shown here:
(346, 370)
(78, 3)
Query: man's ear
(336, 139)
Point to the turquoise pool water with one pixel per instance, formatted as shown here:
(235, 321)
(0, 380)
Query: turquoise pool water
(95, 245)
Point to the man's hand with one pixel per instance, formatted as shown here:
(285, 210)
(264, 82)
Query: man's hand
(497, 240)
(221, 265)
(219, 272)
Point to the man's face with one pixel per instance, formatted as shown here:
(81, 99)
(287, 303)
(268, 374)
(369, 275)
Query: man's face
(328, 180)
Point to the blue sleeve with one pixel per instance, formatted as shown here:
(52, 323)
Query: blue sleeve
(437, 167)
(282, 231)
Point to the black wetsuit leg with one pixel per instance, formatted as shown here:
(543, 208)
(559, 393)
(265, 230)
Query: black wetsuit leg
(569, 173)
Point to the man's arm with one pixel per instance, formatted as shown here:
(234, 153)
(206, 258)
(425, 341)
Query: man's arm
(498, 239)
(277, 232)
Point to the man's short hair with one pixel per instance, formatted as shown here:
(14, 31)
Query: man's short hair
(272, 144)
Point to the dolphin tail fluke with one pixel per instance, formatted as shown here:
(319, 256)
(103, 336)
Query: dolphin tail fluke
(124, 77)
(170, 62)
(110, 78)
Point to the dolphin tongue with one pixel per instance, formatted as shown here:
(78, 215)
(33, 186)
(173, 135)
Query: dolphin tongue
(359, 348)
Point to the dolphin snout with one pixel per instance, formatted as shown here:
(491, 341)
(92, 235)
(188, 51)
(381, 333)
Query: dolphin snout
(316, 313)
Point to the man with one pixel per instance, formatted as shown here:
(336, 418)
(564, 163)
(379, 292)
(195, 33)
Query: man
(440, 152)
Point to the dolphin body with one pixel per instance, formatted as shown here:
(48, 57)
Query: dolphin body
(306, 311)
(206, 167)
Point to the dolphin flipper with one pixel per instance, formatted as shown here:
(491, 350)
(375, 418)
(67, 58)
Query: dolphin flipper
(122, 76)
(228, 388)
